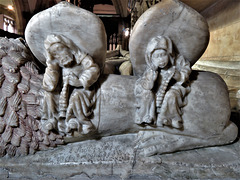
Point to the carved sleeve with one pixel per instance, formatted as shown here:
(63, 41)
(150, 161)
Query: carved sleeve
(183, 66)
(90, 72)
(51, 77)
(148, 79)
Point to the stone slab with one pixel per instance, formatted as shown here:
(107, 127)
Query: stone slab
(116, 158)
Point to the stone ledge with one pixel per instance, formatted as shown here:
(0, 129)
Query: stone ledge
(115, 158)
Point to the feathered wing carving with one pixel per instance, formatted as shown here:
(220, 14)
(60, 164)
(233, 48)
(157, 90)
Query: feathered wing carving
(20, 99)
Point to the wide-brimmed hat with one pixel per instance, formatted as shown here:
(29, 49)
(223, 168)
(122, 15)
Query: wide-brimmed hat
(82, 27)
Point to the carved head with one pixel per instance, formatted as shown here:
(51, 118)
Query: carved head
(159, 52)
(62, 54)
(58, 48)
(62, 50)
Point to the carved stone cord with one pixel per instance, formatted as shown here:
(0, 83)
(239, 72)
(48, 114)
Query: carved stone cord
(162, 89)
(63, 99)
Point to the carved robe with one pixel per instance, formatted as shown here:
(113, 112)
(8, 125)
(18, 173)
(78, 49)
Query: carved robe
(80, 101)
(159, 96)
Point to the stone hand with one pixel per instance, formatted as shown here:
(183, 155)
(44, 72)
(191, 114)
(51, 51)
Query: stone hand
(177, 76)
(148, 81)
(147, 84)
(150, 143)
(13, 69)
(73, 80)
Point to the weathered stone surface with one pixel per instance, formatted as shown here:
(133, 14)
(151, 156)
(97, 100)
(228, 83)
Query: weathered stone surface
(115, 158)
(84, 28)
(208, 91)
(184, 26)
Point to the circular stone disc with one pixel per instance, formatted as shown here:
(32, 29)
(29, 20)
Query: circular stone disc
(186, 28)
(84, 28)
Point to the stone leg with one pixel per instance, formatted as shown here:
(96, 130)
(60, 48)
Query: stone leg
(49, 120)
(170, 112)
(78, 111)
(145, 107)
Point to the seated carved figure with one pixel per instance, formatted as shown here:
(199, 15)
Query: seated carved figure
(160, 91)
(72, 69)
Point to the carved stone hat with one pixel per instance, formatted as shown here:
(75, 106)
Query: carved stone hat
(80, 26)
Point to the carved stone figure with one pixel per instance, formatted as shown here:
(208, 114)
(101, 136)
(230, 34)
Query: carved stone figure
(78, 73)
(160, 91)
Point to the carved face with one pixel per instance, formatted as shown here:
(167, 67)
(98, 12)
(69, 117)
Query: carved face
(62, 54)
(160, 58)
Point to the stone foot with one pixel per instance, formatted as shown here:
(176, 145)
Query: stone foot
(72, 125)
(174, 122)
(84, 127)
(49, 125)
(146, 119)
(177, 123)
